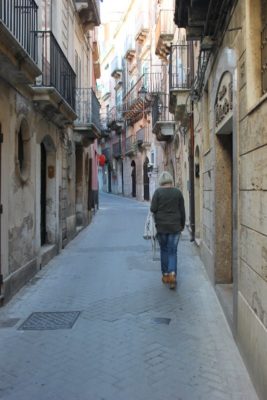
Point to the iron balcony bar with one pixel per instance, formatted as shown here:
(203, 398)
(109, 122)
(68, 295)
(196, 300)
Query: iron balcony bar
(114, 116)
(56, 70)
(140, 96)
(20, 17)
(87, 108)
(160, 111)
(181, 67)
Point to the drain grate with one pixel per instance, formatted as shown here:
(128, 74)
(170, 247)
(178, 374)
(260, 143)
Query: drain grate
(165, 321)
(39, 321)
(8, 323)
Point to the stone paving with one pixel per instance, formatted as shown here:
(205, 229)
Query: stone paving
(134, 339)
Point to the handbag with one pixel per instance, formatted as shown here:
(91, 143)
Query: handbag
(150, 230)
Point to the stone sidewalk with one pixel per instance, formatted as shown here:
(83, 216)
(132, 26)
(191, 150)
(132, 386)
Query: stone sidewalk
(123, 334)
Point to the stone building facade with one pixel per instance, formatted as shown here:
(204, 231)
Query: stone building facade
(229, 95)
(143, 136)
(48, 68)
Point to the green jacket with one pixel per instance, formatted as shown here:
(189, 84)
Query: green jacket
(167, 205)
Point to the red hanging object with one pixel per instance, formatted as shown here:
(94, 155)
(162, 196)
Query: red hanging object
(101, 160)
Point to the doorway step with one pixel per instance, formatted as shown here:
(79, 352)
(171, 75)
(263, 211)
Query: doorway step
(48, 251)
(225, 295)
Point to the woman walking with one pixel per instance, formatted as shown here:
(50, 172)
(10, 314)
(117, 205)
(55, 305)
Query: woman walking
(167, 205)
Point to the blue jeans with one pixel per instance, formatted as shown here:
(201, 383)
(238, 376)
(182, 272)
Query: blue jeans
(168, 243)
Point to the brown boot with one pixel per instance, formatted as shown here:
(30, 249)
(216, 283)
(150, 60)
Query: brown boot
(172, 280)
(165, 278)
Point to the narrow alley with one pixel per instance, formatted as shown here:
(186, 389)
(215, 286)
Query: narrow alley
(109, 328)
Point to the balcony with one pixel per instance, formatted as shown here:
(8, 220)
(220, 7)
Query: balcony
(142, 27)
(181, 76)
(88, 124)
(129, 48)
(54, 92)
(137, 101)
(18, 42)
(193, 18)
(142, 138)
(89, 13)
(115, 119)
(164, 33)
(116, 68)
(130, 146)
(163, 123)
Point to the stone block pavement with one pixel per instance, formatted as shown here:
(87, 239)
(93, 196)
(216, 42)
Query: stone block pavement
(134, 339)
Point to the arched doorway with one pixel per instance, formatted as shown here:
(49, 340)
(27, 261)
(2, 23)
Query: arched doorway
(197, 194)
(79, 185)
(43, 194)
(47, 191)
(133, 175)
(146, 179)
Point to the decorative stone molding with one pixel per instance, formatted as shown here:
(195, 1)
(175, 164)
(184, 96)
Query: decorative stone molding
(224, 102)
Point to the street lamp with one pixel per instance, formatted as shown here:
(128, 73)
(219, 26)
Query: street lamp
(142, 93)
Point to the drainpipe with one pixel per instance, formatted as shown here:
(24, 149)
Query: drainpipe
(191, 176)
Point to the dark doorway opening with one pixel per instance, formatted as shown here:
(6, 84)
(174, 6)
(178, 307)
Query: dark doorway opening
(146, 180)
(90, 191)
(109, 178)
(79, 185)
(133, 174)
(43, 194)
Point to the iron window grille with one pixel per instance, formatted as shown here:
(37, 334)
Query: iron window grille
(20, 18)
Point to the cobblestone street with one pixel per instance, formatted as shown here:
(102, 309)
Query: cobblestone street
(128, 337)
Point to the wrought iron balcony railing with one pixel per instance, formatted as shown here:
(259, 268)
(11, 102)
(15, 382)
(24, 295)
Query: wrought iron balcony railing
(140, 96)
(115, 117)
(181, 67)
(20, 17)
(57, 71)
(87, 108)
(161, 117)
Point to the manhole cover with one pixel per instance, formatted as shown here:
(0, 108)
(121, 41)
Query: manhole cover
(165, 321)
(39, 321)
(8, 323)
